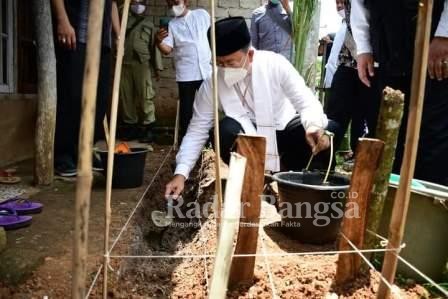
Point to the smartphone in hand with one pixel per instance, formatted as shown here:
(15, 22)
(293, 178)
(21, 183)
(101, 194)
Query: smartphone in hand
(164, 21)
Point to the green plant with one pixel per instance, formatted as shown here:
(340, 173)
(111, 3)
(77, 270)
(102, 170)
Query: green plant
(303, 13)
(435, 293)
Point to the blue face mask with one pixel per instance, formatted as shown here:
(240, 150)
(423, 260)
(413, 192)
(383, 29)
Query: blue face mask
(275, 2)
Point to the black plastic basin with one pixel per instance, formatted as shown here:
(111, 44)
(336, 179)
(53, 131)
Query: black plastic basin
(129, 168)
(311, 213)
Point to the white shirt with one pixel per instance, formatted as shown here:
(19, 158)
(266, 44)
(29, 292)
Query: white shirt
(279, 93)
(333, 60)
(187, 36)
(247, 96)
(360, 25)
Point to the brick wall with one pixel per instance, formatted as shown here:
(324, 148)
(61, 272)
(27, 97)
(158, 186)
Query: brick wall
(166, 88)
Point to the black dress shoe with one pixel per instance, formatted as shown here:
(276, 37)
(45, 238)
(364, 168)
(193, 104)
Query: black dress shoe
(128, 132)
(147, 134)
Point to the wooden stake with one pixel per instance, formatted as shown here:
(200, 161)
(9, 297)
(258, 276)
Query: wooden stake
(111, 142)
(254, 149)
(84, 180)
(389, 123)
(403, 194)
(47, 94)
(368, 154)
(218, 182)
(229, 227)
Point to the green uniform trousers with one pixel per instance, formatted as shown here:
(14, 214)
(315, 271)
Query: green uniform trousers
(137, 94)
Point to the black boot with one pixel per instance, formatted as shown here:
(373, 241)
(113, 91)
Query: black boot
(148, 134)
(128, 132)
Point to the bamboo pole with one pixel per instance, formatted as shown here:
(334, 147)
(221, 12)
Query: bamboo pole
(254, 149)
(47, 94)
(112, 139)
(367, 160)
(176, 128)
(84, 180)
(218, 182)
(387, 130)
(229, 227)
(402, 197)
(106, 130)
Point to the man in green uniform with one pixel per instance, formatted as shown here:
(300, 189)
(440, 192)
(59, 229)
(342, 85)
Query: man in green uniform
(136, 90)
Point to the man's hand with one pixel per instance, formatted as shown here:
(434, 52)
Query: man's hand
(161, 35)
(66, 35)
(438, 58)
(365, 67)
(175, 187)
(326, 39)
(317, 140)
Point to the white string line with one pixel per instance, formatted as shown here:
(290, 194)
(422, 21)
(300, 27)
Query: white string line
(140, 201)
(127, 223)
(383, 239)
(369, 263)
(376, 235)
(434, 284)
(97, 275)
(268, 268)
(279, 254)
(412, 267)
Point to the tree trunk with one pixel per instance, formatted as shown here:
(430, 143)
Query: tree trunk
(389, 123)
(46, 87)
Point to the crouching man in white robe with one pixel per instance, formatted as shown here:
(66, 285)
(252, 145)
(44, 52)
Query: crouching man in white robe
(261, 93)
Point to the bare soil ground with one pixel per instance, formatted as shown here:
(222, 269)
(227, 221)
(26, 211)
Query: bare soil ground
(309, 276)
(37, 260)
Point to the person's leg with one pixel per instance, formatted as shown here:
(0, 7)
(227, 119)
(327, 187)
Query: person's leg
(103, 93)
(292, 146)
(78, 71)
(62, 143)
(128, 105)
(295, 151)
(229, 130)
(370, 101)
(339, 106)
(146, 94)
(70, 70)
(357, 130)
(145, 105)
(432, 162)
(187, 93)
(365, 110)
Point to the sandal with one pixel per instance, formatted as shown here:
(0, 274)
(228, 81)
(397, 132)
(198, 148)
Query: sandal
(22, 206)
(9, 219)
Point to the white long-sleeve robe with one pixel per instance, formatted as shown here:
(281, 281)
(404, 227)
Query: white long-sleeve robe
(279, 94)
(360, 18)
